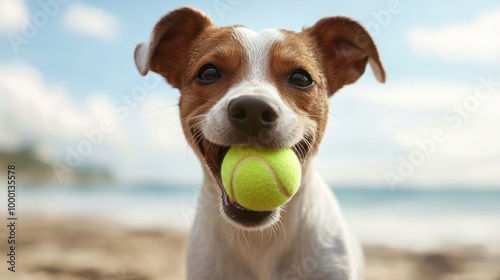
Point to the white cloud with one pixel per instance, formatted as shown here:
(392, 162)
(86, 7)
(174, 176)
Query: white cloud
(475, 41)
(146, 144)
(31, 109)
(375, 125)
(14, 15)
(91, 21)
(161, 118)
(414, 95)
(159, 150)
(42, 115)
(340, 174)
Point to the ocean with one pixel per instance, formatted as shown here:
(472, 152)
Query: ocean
(410, 218)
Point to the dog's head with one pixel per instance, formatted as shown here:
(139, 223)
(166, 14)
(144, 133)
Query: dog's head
(268, 89)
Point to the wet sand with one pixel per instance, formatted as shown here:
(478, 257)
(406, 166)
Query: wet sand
(77, 248)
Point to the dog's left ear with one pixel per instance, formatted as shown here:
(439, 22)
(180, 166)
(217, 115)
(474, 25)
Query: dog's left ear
(346, 47)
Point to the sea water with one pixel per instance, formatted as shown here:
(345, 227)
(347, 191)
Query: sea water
(411, 218)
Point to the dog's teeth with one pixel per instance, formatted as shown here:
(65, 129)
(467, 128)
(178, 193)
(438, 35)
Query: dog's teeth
(241, 208)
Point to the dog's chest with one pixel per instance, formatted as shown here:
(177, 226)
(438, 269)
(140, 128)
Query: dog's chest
(282, 260)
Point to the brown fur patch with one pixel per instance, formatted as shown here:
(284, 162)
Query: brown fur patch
(169, 45)
(297, 51)
(220, 47)
(345, 48)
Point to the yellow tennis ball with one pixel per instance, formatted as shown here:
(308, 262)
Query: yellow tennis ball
(258, 179)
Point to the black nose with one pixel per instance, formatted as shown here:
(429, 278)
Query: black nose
(251, 115)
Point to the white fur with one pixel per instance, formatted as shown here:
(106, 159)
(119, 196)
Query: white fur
(257, 46)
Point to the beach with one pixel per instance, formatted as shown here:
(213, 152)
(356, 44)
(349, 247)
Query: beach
(80, 247)
(115, 119)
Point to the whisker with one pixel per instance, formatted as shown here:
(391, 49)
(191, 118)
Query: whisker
(283, 227)
(233, 230)
(238, 235)
(209, 99)
(169, 129)
(275, 233)
(193, 117)
(244, 236)
(161, 108)
(335, 115)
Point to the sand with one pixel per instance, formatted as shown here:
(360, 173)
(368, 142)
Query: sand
(77, 248)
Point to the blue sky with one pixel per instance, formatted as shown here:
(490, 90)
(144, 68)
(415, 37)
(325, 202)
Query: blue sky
(76, 60)
(65, 77)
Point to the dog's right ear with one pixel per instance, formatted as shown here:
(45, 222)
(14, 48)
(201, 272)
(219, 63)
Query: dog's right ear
(167, 49)
(346, 47)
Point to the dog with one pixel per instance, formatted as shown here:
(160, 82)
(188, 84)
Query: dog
(267, 89)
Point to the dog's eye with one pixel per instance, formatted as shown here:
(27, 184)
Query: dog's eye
(300, 78)
(208, 73)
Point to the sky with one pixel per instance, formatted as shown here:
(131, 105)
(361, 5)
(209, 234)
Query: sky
(69, 88)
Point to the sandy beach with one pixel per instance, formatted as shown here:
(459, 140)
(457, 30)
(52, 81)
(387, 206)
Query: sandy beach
(77, 248)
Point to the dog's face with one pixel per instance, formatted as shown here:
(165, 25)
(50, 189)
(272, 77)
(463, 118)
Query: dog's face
(268, 89)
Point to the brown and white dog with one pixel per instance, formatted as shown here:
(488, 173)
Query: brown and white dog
(268, 89)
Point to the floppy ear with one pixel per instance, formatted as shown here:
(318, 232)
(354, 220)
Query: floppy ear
(346, 48)
(167, 49)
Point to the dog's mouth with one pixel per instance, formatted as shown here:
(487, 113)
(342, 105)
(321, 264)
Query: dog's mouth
(213, 155)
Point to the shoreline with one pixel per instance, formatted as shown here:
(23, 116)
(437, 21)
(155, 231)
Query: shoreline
(77, 248)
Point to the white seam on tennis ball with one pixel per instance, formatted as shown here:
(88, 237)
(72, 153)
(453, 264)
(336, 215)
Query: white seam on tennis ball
(276, 179)
(269, 168)
(231, 186)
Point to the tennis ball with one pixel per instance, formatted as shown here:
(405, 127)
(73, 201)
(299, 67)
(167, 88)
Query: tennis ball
(258, 179)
